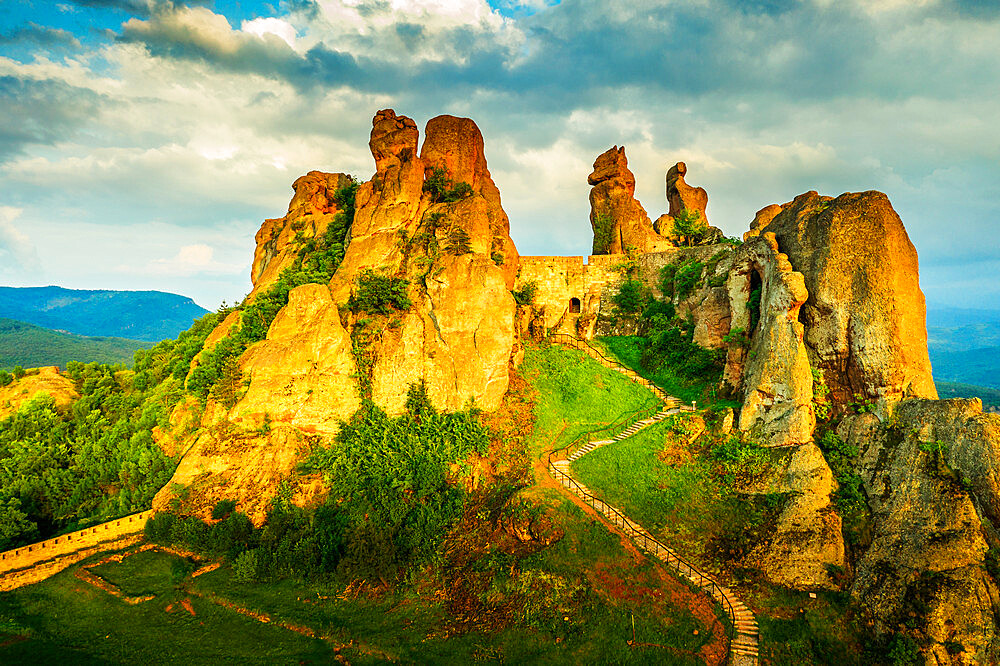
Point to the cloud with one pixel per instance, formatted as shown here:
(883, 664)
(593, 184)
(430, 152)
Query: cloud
(187, 117)
(41, 112)
(190, 260)
(17, 252)
(40, 35)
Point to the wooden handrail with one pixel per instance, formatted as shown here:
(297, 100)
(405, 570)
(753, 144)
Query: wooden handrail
(640, 536)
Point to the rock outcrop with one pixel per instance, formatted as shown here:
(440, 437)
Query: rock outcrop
(808, 542)
(929, 477)
(459, 257)
(773, 369)
(387, 206)
(681, 197)
(303, 373)
(761, 220)
(43, 381)
(619, 221)
(865, 320)
(456, 145)
(454, 251)
(310, 212)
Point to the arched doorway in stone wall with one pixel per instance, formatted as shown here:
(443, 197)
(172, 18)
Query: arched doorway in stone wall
(574, 305)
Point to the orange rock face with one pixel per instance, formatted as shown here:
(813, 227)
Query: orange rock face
(681, 196)
(456, 145)
(619, 222)
(388, 205)
(47, 381)
(865, 318)
(309, 213)
(761, 220)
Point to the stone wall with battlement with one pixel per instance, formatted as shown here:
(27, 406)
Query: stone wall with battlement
(571, 293)
(560, 280)
(27, 557)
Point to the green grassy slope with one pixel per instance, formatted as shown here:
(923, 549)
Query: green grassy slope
(31, 346)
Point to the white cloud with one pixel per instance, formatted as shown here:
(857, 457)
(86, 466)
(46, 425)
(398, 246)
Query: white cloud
(190, 260)
(270, 26)
(17, 252)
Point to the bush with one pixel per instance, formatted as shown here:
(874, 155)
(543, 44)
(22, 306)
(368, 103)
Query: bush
(245, 567)
(442, 190)
(391, 478)
(526, 294)
(223, 508)
(19, 372)
(603, 225)
(379, 294)
(6, 378)
(690, 224)
(687, 278)
(631, 297)
(739, 461)
(458, 242)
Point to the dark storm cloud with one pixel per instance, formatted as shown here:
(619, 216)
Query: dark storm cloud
(41, 112)
(41, 35)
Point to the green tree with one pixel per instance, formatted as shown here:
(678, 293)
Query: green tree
(15, 528)
(691, 225)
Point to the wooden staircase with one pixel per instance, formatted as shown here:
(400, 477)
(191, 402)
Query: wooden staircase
(744, 644)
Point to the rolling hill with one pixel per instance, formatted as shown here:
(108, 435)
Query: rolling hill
(32, 346)
(136, 315)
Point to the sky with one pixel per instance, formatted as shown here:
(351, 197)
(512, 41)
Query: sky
(143, 142)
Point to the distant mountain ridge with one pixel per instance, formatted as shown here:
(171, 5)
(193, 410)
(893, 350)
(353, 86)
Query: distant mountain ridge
(149, 316)
(964, 345)
(31, 346)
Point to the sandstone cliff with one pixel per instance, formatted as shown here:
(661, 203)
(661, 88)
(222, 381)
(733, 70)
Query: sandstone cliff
(433, 220)
(929, 476)
(775, 377)
(310, 212)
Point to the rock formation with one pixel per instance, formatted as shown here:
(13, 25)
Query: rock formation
(865, 320)
(303, 373)
(776, 380)
(681, 197)
(457, 337)
(619, 222)
(808, 541)
(388, 205)
(456, 146)
(761, 220)
(310, 212)
(929, 475)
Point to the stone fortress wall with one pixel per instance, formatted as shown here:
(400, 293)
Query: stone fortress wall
(38, 561)
(571, 293)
